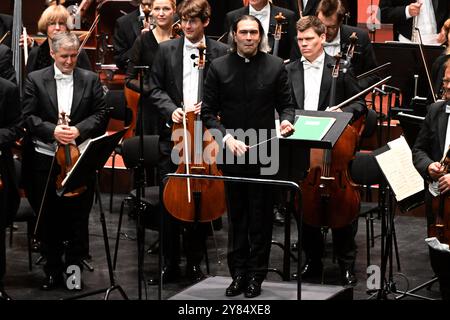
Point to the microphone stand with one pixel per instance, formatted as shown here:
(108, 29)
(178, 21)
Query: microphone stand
(139, 181)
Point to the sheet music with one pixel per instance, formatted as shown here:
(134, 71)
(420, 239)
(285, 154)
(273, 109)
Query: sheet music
(399, 170)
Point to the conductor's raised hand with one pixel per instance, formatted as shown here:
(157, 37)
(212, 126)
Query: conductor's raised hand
(286, 128)
(237, 147)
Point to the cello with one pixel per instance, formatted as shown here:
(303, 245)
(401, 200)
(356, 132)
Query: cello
(441, 207)
(329, 196)
(195, 200)
(279, 18)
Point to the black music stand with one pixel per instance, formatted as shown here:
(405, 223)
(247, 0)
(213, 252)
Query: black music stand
(294, 162)
(90, 163)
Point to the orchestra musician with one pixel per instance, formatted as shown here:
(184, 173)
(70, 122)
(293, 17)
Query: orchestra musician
(266, 12)
(6, 24)
(308, 6)
(174, 81)
(332, 14)
(143, 53)
(53, 20)
(126, 30)
(431, 144)
(10, 121)
(313, 94)
(245, 87)
(427, 15)
(61, 87)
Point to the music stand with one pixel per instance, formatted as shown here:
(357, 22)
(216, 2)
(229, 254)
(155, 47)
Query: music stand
(90, 162)
(294, 162)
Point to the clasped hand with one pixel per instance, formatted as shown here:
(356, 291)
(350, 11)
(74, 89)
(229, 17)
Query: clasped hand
(65, 134)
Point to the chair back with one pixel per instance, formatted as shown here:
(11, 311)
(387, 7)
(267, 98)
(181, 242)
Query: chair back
(117, 105)
(130, 151)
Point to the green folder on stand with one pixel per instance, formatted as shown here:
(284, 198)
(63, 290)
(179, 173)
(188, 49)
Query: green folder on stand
(311, 128)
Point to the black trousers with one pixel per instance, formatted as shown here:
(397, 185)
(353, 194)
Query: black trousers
(64, 221)
(249, 228)
(344, 244)
(194, 234)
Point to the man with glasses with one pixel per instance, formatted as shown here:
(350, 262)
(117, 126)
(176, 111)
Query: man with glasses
(431, 145)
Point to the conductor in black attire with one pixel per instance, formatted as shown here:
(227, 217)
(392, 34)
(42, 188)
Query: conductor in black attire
(173, 82)
(245, 88)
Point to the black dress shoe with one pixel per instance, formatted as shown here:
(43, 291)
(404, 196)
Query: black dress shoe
(51, 282)
(194, 273)
(4, 296)
(312, 269)
(349, 278)
(253, 288)
(236, 287)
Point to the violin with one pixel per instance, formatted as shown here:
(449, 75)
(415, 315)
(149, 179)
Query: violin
(441, 207)
(279, 18)
(195, 200)
(329, 195)
(66, 156)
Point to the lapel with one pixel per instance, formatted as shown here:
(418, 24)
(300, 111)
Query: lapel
(308, 6)
(435, 5)
(78, 90)
(442, 127)
(177, 65)
(50, 85)
(136, 23)
(298, 85)
(211, 54)
(326, 82)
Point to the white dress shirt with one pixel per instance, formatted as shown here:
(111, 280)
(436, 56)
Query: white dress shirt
(190, 73)
(64, 91)
(263, 15)
(312, 80)
(334, 47)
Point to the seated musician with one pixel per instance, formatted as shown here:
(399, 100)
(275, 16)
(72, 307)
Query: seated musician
(431, 144)
(10, 131)
(174, 82)
(314, 95)
(53, 20)
(61, 87)
(266, 12)
(143, 53)
(308, 6)
(6, 24)
(126, 30)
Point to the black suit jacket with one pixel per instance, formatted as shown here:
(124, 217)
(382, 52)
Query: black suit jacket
(166, 78)
(429, 145)
(288, 39)
(40, 105)
(6, 24)
(393, 11)
(346, 87)
(245, 96)
(126, 30)
(10, 131)
(6, 68)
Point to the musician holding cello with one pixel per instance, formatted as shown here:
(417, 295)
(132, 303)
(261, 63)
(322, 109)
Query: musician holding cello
(49, 94)
(430, 147)
(245, 88)
(174, 87)
(311, 82)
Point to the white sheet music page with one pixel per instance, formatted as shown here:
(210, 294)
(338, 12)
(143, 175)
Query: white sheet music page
(399, 169)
